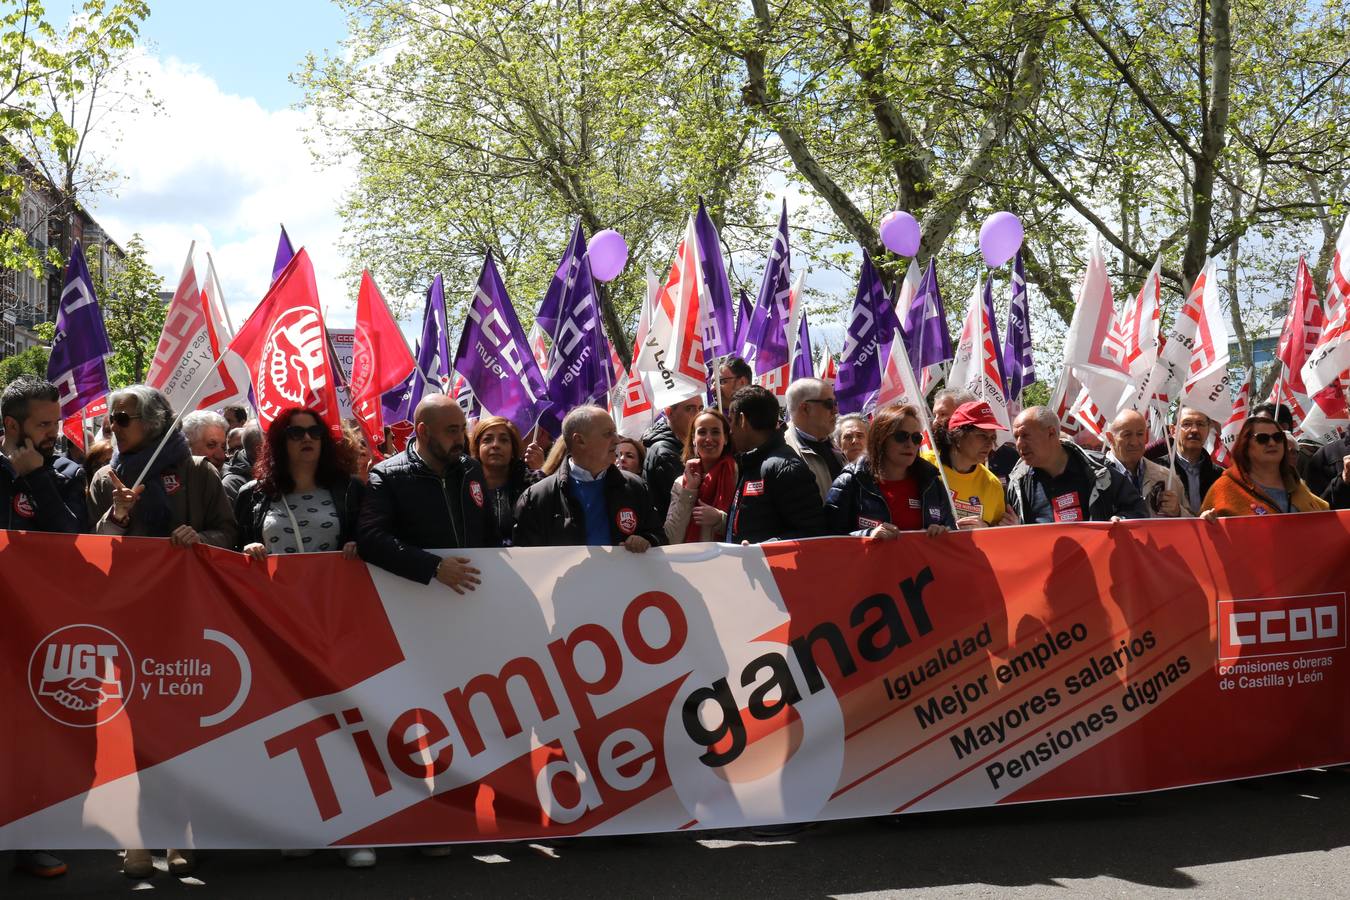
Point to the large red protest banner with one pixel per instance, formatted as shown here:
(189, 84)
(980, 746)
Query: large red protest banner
(155, 696)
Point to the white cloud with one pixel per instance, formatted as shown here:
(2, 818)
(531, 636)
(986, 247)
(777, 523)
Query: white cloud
(219, 169)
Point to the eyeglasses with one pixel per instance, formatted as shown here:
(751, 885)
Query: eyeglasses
(299, 432)
(121, 419)
(914, 437)
(1265, 437)
(827, 402)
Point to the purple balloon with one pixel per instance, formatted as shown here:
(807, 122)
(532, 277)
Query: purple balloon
(608, 252)
(900, 233)
(1000, 238)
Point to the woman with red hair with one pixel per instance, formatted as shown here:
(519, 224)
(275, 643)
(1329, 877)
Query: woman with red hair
(1262, 480)
(304, 498)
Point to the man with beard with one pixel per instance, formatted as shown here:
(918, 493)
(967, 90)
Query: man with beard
(432, 495)
(40, 490)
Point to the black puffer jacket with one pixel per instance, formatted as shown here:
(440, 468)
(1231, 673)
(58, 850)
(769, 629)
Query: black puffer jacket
(662, 464)
(238, 472)
(50, 498)
(409, 509)
(250, 508)
(1325, 464)
(776, 496)
(549, 516)
(855, 504)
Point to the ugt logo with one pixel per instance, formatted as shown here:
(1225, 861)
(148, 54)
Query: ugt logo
(81, 675)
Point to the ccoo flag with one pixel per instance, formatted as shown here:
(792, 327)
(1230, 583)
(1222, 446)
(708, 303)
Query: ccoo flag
(77, 363)
(494, 355)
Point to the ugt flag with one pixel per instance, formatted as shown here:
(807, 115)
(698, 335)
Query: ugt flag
(494, 355)
(77, 364)
(284, 345)
(380, 360)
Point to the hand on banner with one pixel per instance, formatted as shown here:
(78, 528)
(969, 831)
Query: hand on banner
(693, 475)
(534, 457)
(1009, 518)
(705, 515)
(1169, 504)
(935, 530)
(455, 573)
(1210, 515)
(184, 536)
(636, 543)
(255, 551)
(123, 497)
(886, 531)
(349, 550)
(966, 523)
(26, 459)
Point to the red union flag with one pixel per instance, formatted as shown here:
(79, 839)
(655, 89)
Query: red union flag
(184, 367)
(284, 346)
(671, 357)
(380, 359)
(1331, 357)
(1228, 434)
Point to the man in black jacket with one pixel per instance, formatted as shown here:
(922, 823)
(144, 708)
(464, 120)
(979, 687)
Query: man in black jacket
(1325, 464)
(39, 490)
(1058, 481)
(776, 495)
(589, 501)
(430, 496)
(665, 452)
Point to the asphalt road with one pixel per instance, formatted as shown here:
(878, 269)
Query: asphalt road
(1283, 836)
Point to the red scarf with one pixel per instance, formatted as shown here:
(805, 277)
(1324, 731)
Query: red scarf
(718, 488)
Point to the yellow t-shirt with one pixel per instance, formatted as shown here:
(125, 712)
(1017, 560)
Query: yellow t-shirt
(976, 493)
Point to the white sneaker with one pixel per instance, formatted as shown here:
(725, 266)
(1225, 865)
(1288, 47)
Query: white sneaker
(359, 858)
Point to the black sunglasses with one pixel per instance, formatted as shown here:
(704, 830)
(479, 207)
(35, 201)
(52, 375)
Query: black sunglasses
(121, 419)
(828, 402)
(914, 437)
(1265, 437)
(298, 432)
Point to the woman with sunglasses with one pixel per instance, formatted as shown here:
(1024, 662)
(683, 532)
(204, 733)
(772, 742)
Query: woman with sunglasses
(180, 496)
(1262, 480)
(891, 488)
(304, 497)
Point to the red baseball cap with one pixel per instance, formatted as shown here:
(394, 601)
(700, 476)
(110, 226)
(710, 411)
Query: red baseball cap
(977, 413)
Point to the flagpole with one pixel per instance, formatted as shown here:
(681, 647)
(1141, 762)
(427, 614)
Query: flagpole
(168, 432)
(937, 455)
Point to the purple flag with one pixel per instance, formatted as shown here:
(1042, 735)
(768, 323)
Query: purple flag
(802, 365)
(746, 315)
(766, 344)
(551, 309)
(1019, 366)
(433, 360)
(579, 369)
(79, 350)
(926, 338)
(871, 328)
(494, 356)
(993, 330)
(718, 328)
(284, 253)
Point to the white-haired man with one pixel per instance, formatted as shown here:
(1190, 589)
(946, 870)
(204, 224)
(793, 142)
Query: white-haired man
(1058, 481)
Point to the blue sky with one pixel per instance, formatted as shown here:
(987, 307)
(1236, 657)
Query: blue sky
(249, 47)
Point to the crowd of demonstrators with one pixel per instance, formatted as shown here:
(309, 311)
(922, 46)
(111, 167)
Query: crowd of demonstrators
(588, 500)
(497, 446)
(629, 454)
(305, 498)
(812, 410)
(1058, 481)
(850, 436)
(205, 433)
(701, 497)
(1263, 479)
(777, 496)
(964, 443)
(431, 496)
(179, 496)
(891, 488)
(664, 442)
(732, 375)
(1159, 486)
